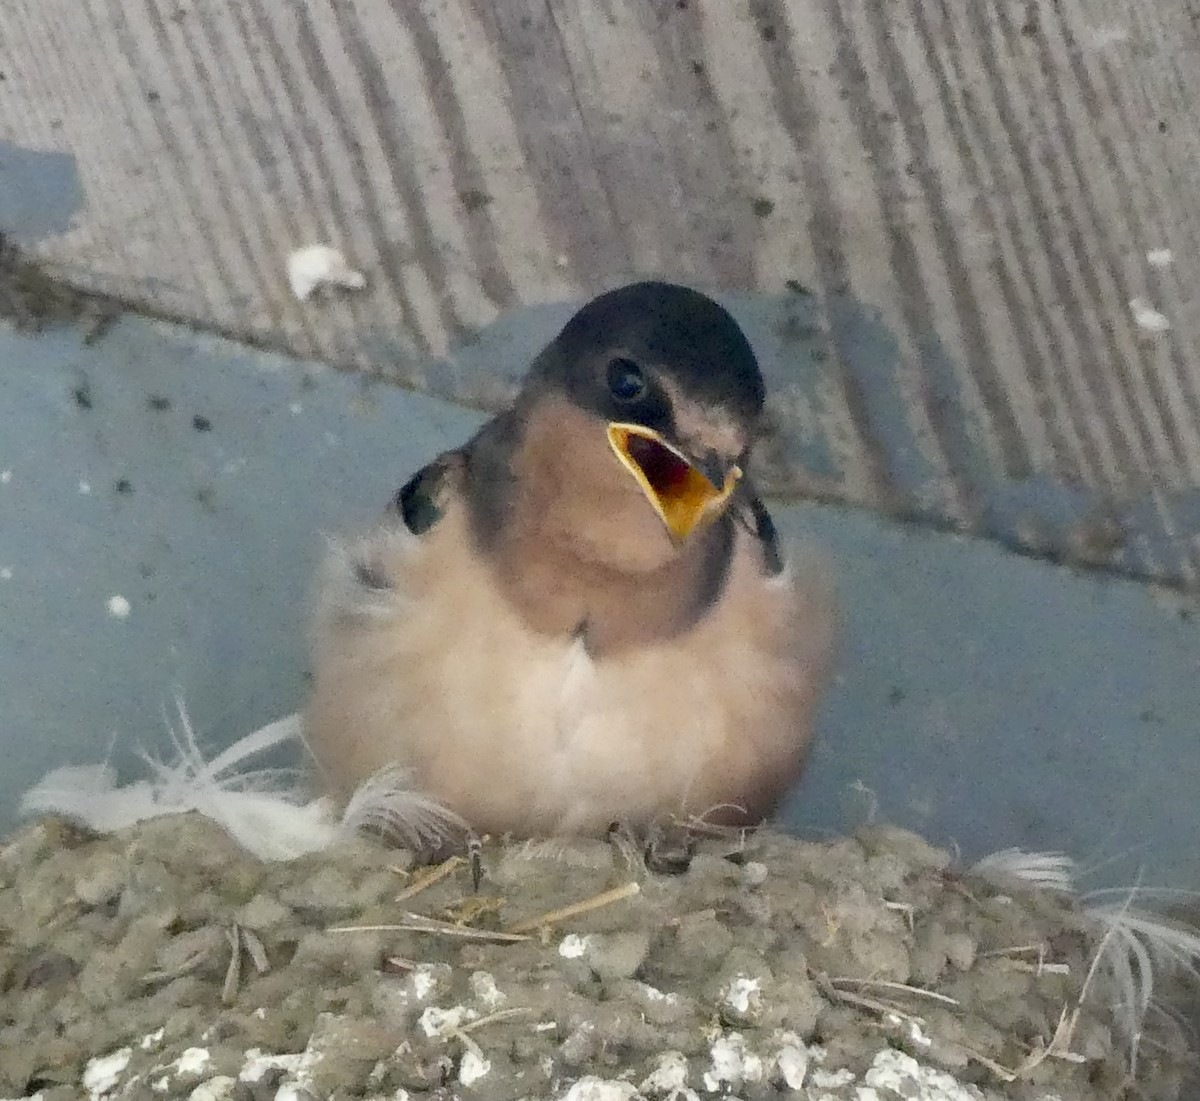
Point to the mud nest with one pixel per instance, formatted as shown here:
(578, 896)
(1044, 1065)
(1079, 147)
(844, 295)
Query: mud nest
(163, 961)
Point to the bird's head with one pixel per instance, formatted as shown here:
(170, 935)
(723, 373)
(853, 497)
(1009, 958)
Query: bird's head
(669, 377)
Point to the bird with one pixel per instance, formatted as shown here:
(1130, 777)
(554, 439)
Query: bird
(584, 615)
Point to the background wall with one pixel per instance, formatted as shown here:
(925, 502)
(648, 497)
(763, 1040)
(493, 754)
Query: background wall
(962, 236)
(986, 211)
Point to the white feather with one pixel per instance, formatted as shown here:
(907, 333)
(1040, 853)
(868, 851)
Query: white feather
(268, 814)
(385, 803)
(1050, 871)
(1134, 947)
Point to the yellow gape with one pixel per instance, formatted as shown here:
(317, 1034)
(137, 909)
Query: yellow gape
(679, 492)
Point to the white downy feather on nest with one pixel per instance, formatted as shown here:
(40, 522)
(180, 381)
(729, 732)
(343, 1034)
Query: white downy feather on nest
(1135, 948)
(260, 809)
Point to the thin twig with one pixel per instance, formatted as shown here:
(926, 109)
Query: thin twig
(886, 984)
(428, 878)
(256, 950)
(492, 1018)
(233, 973)
(420, 924)
(553, 917)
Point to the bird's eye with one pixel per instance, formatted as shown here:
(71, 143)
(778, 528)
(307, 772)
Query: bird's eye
(626, 381)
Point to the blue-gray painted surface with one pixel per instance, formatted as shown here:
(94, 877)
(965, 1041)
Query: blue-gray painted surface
(983, 698)
(40, 192)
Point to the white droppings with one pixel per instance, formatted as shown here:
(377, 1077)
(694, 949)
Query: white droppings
(215, 1089)
(152, 1039)
(101, 1075)
(85, 487)
(295, 409)
(424, 981)
(483, 986)
(1160, 257)
(669, 1075)
(593, 1088)
(744, 994)
(573, 946)
(5, 477)
(441, 1022)
(732, 1063)
(822, 1079)
(792, 1062)
(5, 573)
(902, 1074)
(320, 266)
(118, 607)
(472, 1067)
(257, 1064)
(917, 1036)
(192, 1061)
(1148, 317)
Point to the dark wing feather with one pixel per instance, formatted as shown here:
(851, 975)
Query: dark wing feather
(758, 522)
(421, 501)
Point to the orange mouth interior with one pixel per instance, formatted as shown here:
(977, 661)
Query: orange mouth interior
(682, 496)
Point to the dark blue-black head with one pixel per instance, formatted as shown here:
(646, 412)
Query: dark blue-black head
(670, 376)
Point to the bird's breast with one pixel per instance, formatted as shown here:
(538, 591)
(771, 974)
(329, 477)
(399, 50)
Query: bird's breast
(526, 730)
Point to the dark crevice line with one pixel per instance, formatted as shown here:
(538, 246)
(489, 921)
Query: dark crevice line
(465, 169)
(237, 145)
(1073, 313)
(218, 185)
(1185, 374)
(589, 139)
(260, 47)
(387, 124)
(1019, 320)
(980, 360)
(326, 206)
(722, 218)
(567, 190)
(794, 108)
(1014, 224)
(914, 300)
(1189, 385)
(323, 83)
(1090, 229)
(184, 169)
(1127, 479)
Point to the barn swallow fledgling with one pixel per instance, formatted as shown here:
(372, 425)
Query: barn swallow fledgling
(582, 615)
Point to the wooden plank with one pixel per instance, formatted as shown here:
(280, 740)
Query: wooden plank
(974, 194)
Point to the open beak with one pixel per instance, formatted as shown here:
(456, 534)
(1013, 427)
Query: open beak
(683, 491)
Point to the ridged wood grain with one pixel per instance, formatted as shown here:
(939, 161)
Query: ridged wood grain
(962, 194)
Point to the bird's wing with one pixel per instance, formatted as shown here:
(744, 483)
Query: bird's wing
(757, 520)
(422, 500)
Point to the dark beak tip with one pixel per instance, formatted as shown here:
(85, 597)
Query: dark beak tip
(716, 470)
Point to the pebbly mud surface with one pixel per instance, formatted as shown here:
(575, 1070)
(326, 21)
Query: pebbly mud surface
(165, 962)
